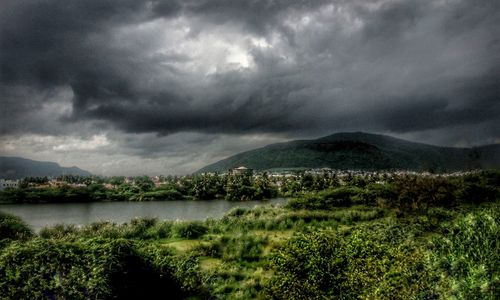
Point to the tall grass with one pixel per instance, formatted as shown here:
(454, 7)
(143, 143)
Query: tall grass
(468, 256)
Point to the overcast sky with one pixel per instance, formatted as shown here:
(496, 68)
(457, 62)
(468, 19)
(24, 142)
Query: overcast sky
(164, 87)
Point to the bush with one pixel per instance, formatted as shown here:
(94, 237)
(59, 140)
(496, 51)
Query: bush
(163, 229)
(140, 228)
(477, 193)
(469, 257)
(103, 229)
(13, 228)
(144, 222)
(242, 247)
(371, 261)
(94, 269)
(418, 193)
(384, 262)
(189, 230)
(237, 211)
(307, 267)
(328, 199)
(308, 201)
(158, 195)
(57, 231)
(343, 196)
(376, 193)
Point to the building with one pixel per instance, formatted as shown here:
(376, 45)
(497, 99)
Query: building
(8, 184)
(241, 171)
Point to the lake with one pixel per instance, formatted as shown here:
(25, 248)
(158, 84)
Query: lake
(48, 214)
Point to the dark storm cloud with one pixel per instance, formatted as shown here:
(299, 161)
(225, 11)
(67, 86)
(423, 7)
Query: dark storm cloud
(476, 101)
(259, 16)
(51, 42)
(264, 110)
(397, 66)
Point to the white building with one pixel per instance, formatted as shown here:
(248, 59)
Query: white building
(8, 184)
(241, 171)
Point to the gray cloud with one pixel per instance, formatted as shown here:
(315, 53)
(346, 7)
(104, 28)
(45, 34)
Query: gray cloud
(146, 70)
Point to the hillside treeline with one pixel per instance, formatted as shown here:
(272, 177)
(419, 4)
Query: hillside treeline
(351, 188)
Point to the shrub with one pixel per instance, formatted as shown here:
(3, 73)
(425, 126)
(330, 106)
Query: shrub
(103, 229)
(376, 192)
(189, 230)
(417, 193)
(57, 231)
(13, 228)
(328, 199)
(139, 228)
(145, 222)
(469, 257)
(237, 211)
(307, 267)
(163, 229)
(243, 248)
(185, 270)
(477, 193)
(212, 249)
(94, 269)
(307, 201)
(158, 195)
(371, 261)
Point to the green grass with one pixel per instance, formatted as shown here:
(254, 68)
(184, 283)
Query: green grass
(183, 246)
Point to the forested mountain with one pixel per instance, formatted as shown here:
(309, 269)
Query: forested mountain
(362, 151)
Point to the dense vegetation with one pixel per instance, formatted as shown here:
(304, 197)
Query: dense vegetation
(366, 188)
(362, 151)
(411, 237)
(86, 189)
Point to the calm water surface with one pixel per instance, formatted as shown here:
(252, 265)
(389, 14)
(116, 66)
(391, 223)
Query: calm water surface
(41, 215)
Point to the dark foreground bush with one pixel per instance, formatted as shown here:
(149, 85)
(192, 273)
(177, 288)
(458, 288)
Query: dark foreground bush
(13, 228)
(479, 187)
(94, 269)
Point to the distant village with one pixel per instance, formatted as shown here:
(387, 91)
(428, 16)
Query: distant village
(158, 181)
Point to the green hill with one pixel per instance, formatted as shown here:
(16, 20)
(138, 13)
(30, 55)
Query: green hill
(17, 167)
(361, 151)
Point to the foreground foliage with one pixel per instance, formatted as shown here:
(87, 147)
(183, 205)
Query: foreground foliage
(410, 238)
(13, 228)
(468, 256)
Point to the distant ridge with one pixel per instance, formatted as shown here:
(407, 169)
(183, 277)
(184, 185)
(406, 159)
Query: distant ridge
(18, 167)
(362, 151)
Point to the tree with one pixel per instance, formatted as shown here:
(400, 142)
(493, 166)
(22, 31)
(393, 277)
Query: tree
(144, 183)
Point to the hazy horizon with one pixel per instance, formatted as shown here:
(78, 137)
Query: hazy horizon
(167, 87)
